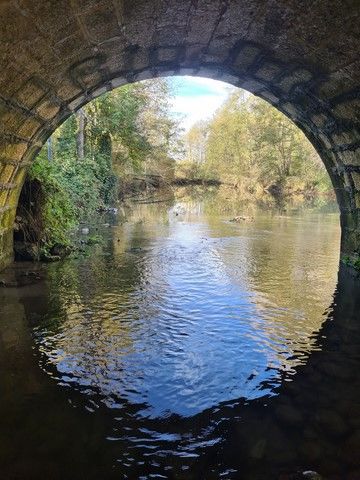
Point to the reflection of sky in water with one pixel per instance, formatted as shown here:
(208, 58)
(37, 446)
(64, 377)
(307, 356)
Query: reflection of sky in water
(200, 322)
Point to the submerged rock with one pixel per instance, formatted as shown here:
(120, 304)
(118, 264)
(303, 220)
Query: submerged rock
(134, 250)
(306, 475)
(113, 210)
(20, 279)
(311, 475)
(51, 258)
(25, 251)
(60, 251)
(258, 450)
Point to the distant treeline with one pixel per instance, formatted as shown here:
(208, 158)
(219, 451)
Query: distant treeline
(254, 146)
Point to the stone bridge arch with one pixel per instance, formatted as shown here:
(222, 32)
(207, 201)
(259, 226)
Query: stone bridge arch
(302, 57)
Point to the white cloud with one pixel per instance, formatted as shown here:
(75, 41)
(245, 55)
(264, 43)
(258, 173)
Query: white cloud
(197, 98)
(194, 109)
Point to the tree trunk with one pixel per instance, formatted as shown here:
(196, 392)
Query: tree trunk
(80, 140)
(50, 149)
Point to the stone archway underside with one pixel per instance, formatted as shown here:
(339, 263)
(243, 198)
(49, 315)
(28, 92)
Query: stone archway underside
(303, 57)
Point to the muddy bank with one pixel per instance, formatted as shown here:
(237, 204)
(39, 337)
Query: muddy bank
(134, 186)
(29, 240)
(181, 182)
(146, 184)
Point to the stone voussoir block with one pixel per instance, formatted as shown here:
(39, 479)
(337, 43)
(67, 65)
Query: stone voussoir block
(6, 217)
(346, 137)
(245, 58)
(320, 120)
(31, 92)
(356, 179)
(6, 173)
(296, 77)
(349, 109)
(268, 71)
(253, 86)
(48, 108)
(357, 200)
(350, 157)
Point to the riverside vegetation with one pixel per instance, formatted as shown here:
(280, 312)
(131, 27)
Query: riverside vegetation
(129, 140)
(89, 159)
(254, 147)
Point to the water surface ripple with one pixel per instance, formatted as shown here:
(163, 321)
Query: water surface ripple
(175, 335)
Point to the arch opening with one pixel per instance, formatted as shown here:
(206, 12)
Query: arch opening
(70, 55)
(275, 163)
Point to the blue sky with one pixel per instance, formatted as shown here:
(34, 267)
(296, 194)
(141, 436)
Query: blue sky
(197, 98)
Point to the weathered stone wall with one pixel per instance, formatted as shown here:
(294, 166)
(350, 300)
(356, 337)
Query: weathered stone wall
(303, 57)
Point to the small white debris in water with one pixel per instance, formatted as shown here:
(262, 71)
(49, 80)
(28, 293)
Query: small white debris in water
(85, 231)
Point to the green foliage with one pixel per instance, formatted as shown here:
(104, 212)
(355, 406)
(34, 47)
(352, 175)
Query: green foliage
(126, 131)
(133, 125)
(252, 145)
(192, 170)
(56, 211)
(94, 240)
(351, 262)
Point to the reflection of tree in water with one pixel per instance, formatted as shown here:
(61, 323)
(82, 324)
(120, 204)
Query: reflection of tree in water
(311, 423)
(104, 296)
(289, 266)
(229, 201)
(93, 308)
(304, 264)
(81, 304)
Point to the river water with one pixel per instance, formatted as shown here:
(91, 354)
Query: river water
(185, 346)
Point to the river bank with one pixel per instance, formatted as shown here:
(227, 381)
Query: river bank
(29, 244)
